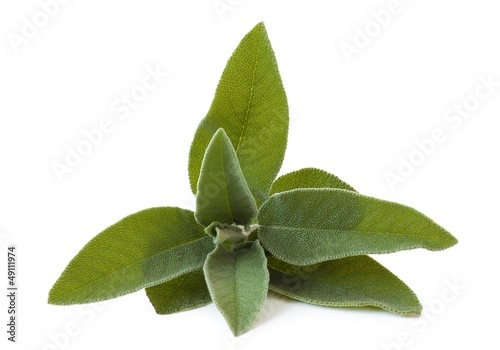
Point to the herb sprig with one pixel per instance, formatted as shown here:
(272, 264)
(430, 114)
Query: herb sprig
(305, 234)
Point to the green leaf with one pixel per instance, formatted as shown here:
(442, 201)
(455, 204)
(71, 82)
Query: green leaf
(185, 292)
(308, 178)
(307, 226)
(336, 282)
(351, 281)
(238, 282)
(223, 194)
(142, 250)
(251, 106)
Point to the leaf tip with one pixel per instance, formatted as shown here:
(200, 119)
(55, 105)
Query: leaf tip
(259, 29)
(261, 25)
(59, 296)
(454, 240)
(239, 330)
(50, 300)
(220, 134)
(417, 310)
(54, 297)
(448, 242)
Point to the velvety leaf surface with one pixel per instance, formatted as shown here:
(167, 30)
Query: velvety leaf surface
(185, 292)
(251, 106)
(142, 250)
(351, 281)
(223, 194)
(308, 178)
(307, 226)
(238, 283)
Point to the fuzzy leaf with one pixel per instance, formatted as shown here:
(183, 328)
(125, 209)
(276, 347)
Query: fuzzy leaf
(185, 292)
(238, 282)
(144, 249)
(307, 226)
(308, 178)
(351, 281)
(223, 193)
(251, 106)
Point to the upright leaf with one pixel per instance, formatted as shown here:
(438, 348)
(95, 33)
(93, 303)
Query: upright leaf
(307, 226)
(351, 281)
(238, 282)
(223, 194)
(142, 250)
(185, 292)
(308, 178)
(251, 106)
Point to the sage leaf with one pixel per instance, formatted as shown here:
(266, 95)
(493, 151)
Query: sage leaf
(308, 178)
(238, 283)
(251, 106)
(351, 281)
(223, 194)
(307, 226)
(185, 292)
(144, 249)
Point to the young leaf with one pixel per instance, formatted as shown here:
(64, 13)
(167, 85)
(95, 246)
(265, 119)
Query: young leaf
(223, 194)
(308, 178)
(185, 292)
(142, 250)
(351, 281)
(251, 106)
(307, 226)
(238, 282)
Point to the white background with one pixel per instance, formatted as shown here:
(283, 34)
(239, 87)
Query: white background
(352, 119)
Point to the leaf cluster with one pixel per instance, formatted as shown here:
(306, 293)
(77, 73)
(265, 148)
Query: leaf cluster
(306, 234)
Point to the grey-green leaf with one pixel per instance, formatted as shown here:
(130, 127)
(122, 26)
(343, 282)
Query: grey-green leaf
(238, 283)
(308, 178)
(185, 292)
(223, 194)
(144, 249)
(307, 226)
(251, 106)
(351, 281)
